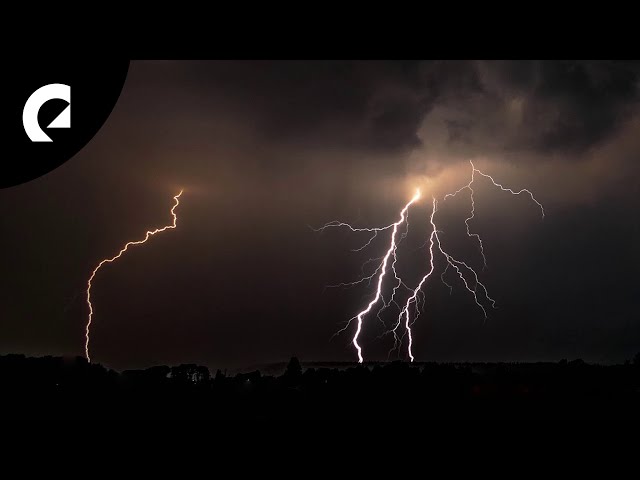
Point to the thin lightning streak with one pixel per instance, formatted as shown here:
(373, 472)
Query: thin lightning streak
(359, 249)
(455, 264)
(504, 189)
(337, 223)
(473, 205)
(466, 222)
(444, 281)
(473, 212)
(366, 278)
(148, 235)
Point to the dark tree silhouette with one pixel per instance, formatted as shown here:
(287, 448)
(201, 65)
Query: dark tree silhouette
(324, 393)
(294, 369)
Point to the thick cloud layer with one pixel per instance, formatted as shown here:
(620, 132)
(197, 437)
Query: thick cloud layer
(544, 107)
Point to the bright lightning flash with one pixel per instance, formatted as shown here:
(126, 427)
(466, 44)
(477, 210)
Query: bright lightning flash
(147, 236)
(382, 268)
(457, 265)
(466, 273)
(413, 298)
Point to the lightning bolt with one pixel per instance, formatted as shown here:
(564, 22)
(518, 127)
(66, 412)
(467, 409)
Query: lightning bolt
(382, 267)
(504, 189)
(368, 278)
(147, 236)
(467, 275)
(413, 298)
(458, 265)
(469, 187)
(473, 212)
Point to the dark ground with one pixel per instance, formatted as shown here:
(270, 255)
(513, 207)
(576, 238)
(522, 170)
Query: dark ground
(481, 398)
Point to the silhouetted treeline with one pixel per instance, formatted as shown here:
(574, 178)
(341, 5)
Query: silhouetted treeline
(438, 394)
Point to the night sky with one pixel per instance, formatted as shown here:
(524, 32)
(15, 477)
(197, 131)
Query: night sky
(264, 150)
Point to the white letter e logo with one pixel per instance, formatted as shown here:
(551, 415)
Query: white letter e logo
(32, 107)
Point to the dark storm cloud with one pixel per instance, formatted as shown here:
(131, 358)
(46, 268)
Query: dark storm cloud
(346, 104)
(589, 101)
(531, 107)
(451, 107)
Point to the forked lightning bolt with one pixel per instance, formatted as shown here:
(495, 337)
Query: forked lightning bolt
(469, 187)
(147, 236)
(473, 212)
(459, 266)
(414, 296)
(382, 268)
(468, 276)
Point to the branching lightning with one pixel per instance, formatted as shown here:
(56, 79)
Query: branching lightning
(382, 268)
(413, 298)
(473, 212)
(147, 236)
(467, 275)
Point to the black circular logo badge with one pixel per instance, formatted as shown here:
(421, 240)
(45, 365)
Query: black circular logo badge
(55, 109)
